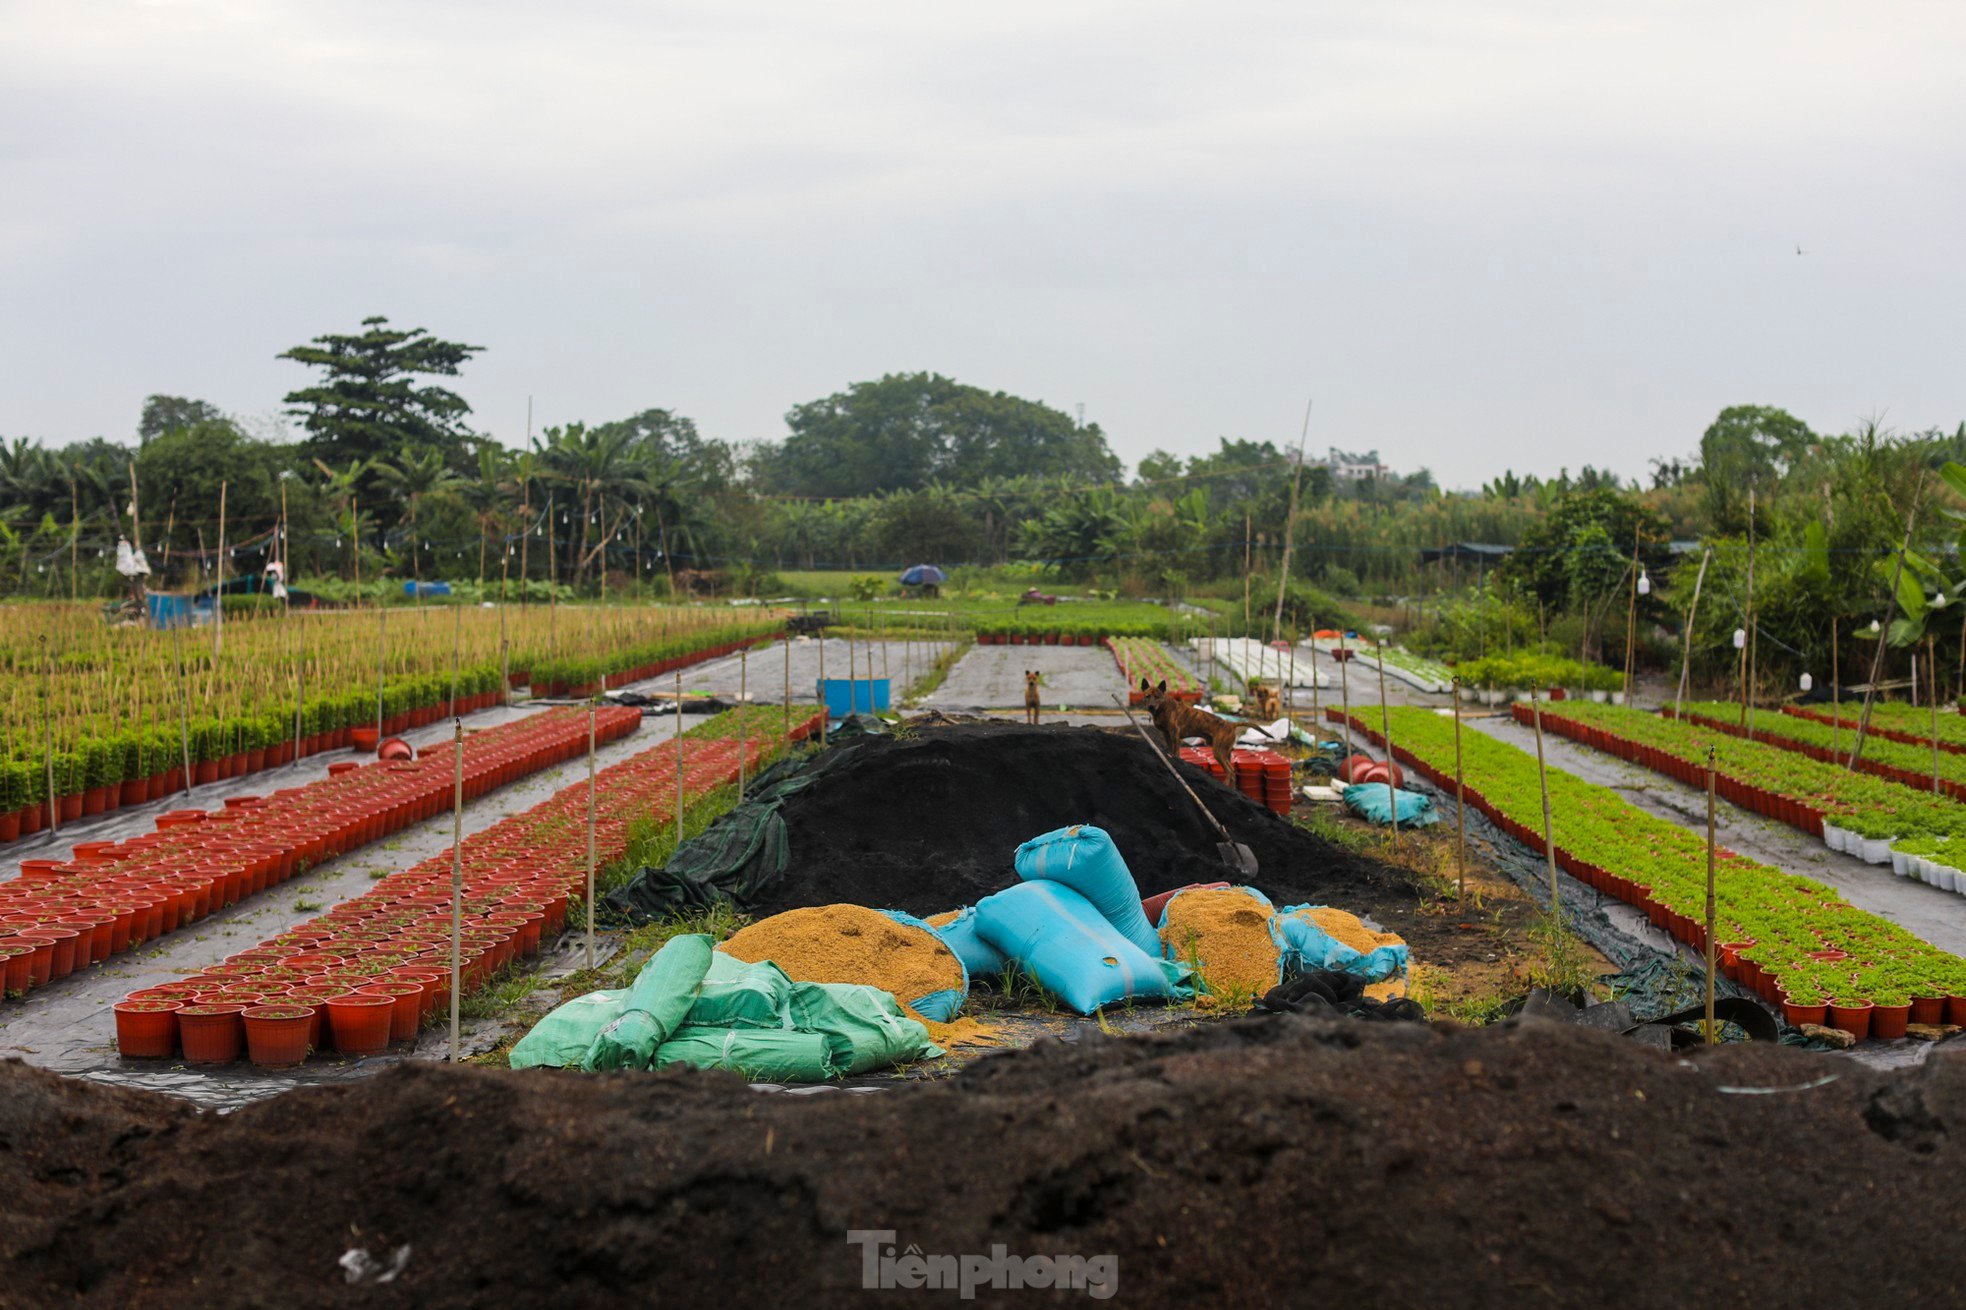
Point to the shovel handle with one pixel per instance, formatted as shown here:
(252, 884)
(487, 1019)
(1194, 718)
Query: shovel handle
(1147, 737)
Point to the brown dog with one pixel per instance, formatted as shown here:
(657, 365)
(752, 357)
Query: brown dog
(1030, 696)
(1178, 721)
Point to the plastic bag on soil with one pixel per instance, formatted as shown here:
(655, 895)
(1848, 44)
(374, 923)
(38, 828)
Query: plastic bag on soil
(1059, 938)
(1085, 859)
(561, 1039)
(778, 1055)
(1307, 948)
(980, 959)
(659, 1001)
(1337, 995)
(942, 1006)
(741, 855)
(1368, 801)
(734, 994)
(863, 1026)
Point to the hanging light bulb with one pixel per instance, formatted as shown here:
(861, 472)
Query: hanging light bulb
(1644, 583)
(1938, 600)
(1808, 683)
(1740, 638)
(1874, 628)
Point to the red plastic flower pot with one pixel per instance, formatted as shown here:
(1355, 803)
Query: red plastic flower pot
(359, 1022)
(1852, 1017)
(406, 996)
(147, 1029)
(277, 1035)
(1888, 1021)
(211, 1033)
(1797, 1015)
(1928, 1009)
(16, 967)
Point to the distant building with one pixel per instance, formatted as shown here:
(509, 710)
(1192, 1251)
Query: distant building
(1348, 467)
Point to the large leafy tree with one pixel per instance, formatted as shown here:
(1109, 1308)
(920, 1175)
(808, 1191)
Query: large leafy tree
(1748, 447)
(369, 404)
(163, 414)
(910, 429)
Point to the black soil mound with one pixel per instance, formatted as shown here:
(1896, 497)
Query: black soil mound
(1261, 1162)
(928, 821)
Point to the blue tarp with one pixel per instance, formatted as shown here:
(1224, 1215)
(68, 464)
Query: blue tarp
(924, 575)
(167, 611)
(415, 589)
(1369, 801)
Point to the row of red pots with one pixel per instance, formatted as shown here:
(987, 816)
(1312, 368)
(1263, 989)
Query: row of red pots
(1773, 804)
(1861, 1018)
(519, 878)
(117, 894)
(75, 807)
(1889, 734)
(1915, 779)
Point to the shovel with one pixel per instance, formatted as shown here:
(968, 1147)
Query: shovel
(1232, 852)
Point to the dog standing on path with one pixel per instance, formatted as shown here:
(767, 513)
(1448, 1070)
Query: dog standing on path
(1030, 696)
(1178, 721)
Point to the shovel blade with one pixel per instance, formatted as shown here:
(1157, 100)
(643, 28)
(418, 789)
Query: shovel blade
(1237, 856)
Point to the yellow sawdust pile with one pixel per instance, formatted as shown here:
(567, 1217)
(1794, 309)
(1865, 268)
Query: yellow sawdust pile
(850, 944)
(962, 1031)
(1227, 933)
(942, 920)
(1349, 929)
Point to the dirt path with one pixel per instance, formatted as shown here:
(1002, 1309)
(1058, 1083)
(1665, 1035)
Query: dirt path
(992, 677)
(764, 673)
(1915, 906)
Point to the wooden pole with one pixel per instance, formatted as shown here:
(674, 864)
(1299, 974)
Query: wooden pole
(75, 535)
(1932, 674)
(457, 883)
(788, 684)
(1386, 730)
(381, 654)
(48, 728)
(1712, 1031)
(457, 649)
(1686, 660)
(1345, 693)
(1835, 698)
(1631, 622)
(183, 703)
(825, 714)
(592, 773)
(1543, 782)
(1884, 628)
(1460, 806)
(743, 724)
(1245, 572)
(218, 605)
(1290, 519)
(679, 757)
(1748, 650)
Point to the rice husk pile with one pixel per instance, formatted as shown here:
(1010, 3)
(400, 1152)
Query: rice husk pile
(962, 1031)
(942, 920)
(851, 944)
(1227, 933)
(1349, 928)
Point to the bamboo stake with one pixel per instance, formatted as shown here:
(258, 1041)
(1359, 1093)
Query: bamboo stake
(825, 713)
(183, 705)
(1712, 1032)
(1686, 661)
(48, 723)
(218, 605)
(457, 651)
(381, 654)
(1543, 782)
(1835, 698)
(679, 757)
(1884, 628)
(1932, 673)
(743, 724)
(788, 684)
(1345, 691)
(1290, 523)
(1460, 805)
(457, 884)
(591, 775)
(1748, 649)
(1631, 622)
(1386, 730)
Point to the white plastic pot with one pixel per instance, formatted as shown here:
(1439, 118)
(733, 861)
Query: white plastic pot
(1599, 697)
(1900, 864)
(1833, 837)
(1877, 850)
(1617, 698)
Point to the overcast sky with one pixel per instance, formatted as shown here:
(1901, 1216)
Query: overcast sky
(1521, 235)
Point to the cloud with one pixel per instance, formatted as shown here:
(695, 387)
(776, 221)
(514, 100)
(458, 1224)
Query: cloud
(1519, 235)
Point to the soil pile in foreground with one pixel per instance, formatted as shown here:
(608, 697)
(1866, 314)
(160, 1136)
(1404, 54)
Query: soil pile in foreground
(1266, 1161)
(929, 820)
